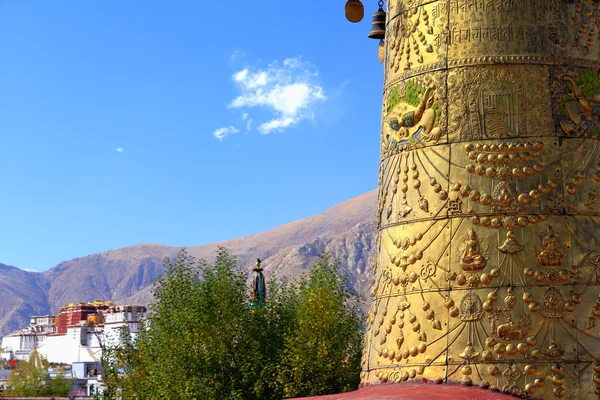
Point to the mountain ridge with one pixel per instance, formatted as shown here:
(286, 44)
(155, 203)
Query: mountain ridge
(125, 275)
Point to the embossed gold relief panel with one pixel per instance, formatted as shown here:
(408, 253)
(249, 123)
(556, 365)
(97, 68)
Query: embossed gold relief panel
(402, 337)
(401, 313)
(416, 41)
(480, 30)
(414, 186)
(414, 114)
(413, 258)
(583, 30)
(576, 101)
(581, 176)
(542, 253)
(405, 279)
(499, 102)
(395, 7)
(471, 32)
(501, 342)
(505, 184)
(488, 269)
(531, 308)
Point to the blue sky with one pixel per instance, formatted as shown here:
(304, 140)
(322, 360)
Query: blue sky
(178, 122)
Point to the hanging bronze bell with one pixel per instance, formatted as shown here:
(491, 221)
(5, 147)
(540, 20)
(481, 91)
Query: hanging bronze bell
(354, 10)
(378, 24)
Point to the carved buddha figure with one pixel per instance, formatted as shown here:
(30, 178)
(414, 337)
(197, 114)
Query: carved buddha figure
(471, 308)
(505, 196)
(472, 259)
(549, 256)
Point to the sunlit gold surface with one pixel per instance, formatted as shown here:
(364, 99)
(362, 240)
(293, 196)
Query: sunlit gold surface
(489, 243)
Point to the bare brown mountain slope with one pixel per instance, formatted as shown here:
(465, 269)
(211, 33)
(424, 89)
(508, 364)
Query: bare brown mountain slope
(338, 219)
(354, 249)
(112, 275)
(22, 294)
(347, 230)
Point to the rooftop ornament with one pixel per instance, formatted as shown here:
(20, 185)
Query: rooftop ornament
(259, 287)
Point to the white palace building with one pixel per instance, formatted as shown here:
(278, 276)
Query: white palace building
(76, 334)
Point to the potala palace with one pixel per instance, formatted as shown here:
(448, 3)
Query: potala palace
(76, 334)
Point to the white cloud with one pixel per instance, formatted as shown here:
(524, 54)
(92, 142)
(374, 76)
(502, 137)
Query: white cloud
(245, 117)
(119, 149)
(276, 125)
(222, 132)
(288, 90)
(240, 75)
(237, 54)
(291, 62)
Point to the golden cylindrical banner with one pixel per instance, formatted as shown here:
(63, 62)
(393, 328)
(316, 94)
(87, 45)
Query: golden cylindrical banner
(488, 270)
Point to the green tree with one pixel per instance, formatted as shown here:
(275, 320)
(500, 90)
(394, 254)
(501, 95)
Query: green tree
(199, 340)
(322, 352)
(133, 368)
(3, 362)
(123, 365)
(204, 340)
(269, 326)
(57, 386)
(31, 378)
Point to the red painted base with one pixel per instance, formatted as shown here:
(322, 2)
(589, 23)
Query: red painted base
(425, 391)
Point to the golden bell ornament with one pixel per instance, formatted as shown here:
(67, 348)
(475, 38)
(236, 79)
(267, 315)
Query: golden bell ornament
(378, 24)
(354, 10)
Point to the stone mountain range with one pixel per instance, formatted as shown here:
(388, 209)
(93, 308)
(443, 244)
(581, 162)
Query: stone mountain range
(126, 275)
